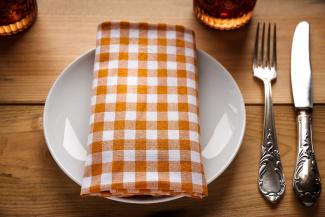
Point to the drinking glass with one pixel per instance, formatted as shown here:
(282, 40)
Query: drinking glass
(224, 14)
(16, 15)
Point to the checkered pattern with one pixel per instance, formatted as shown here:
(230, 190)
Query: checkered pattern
(144, 130)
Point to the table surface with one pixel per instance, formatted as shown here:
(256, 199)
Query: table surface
(31, 184)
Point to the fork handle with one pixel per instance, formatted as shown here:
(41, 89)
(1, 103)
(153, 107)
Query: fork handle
(270, 176)
(306, 180)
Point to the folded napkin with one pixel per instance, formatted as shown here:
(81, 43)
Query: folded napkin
(144, 131)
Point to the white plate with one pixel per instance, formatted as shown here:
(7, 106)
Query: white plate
(67, 110)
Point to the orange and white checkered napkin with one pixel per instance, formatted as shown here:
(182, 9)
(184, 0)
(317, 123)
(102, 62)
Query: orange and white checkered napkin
(144, 130)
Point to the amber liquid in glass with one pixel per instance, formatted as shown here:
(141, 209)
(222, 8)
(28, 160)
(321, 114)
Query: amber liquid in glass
(224, 14)
(16, 15)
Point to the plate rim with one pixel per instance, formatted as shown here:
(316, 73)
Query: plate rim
(163, 199)
(242, 102)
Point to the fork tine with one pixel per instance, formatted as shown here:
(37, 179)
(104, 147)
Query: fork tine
(262, 45)
(268, 45)
(274, 61)
(256, 46)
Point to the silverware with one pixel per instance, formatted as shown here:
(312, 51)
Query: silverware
(270, 175)
(306, 180)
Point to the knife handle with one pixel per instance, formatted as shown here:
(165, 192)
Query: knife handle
(306, 180)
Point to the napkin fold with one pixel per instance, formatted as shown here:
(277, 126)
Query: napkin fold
(144, 131)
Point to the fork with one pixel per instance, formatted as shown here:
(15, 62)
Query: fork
(271, 181)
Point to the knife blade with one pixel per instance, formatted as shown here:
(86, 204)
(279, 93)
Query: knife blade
(306, 180)
(300, 67)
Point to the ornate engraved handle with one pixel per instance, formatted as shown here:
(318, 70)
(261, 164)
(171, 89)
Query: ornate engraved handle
(306, 180)
(270, 176)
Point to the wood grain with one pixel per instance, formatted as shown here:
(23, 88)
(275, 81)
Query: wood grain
(30, 63)
(31, 184)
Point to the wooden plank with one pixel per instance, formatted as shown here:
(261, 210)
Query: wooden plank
(64, 30)
(31, 184)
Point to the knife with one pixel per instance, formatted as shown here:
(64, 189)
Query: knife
(306, 180)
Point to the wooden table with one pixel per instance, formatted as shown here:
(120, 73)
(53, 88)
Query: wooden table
(31, 184)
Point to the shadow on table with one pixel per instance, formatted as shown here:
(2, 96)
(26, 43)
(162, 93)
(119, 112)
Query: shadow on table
(6, 42)
(224, 45)
(8, 46)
